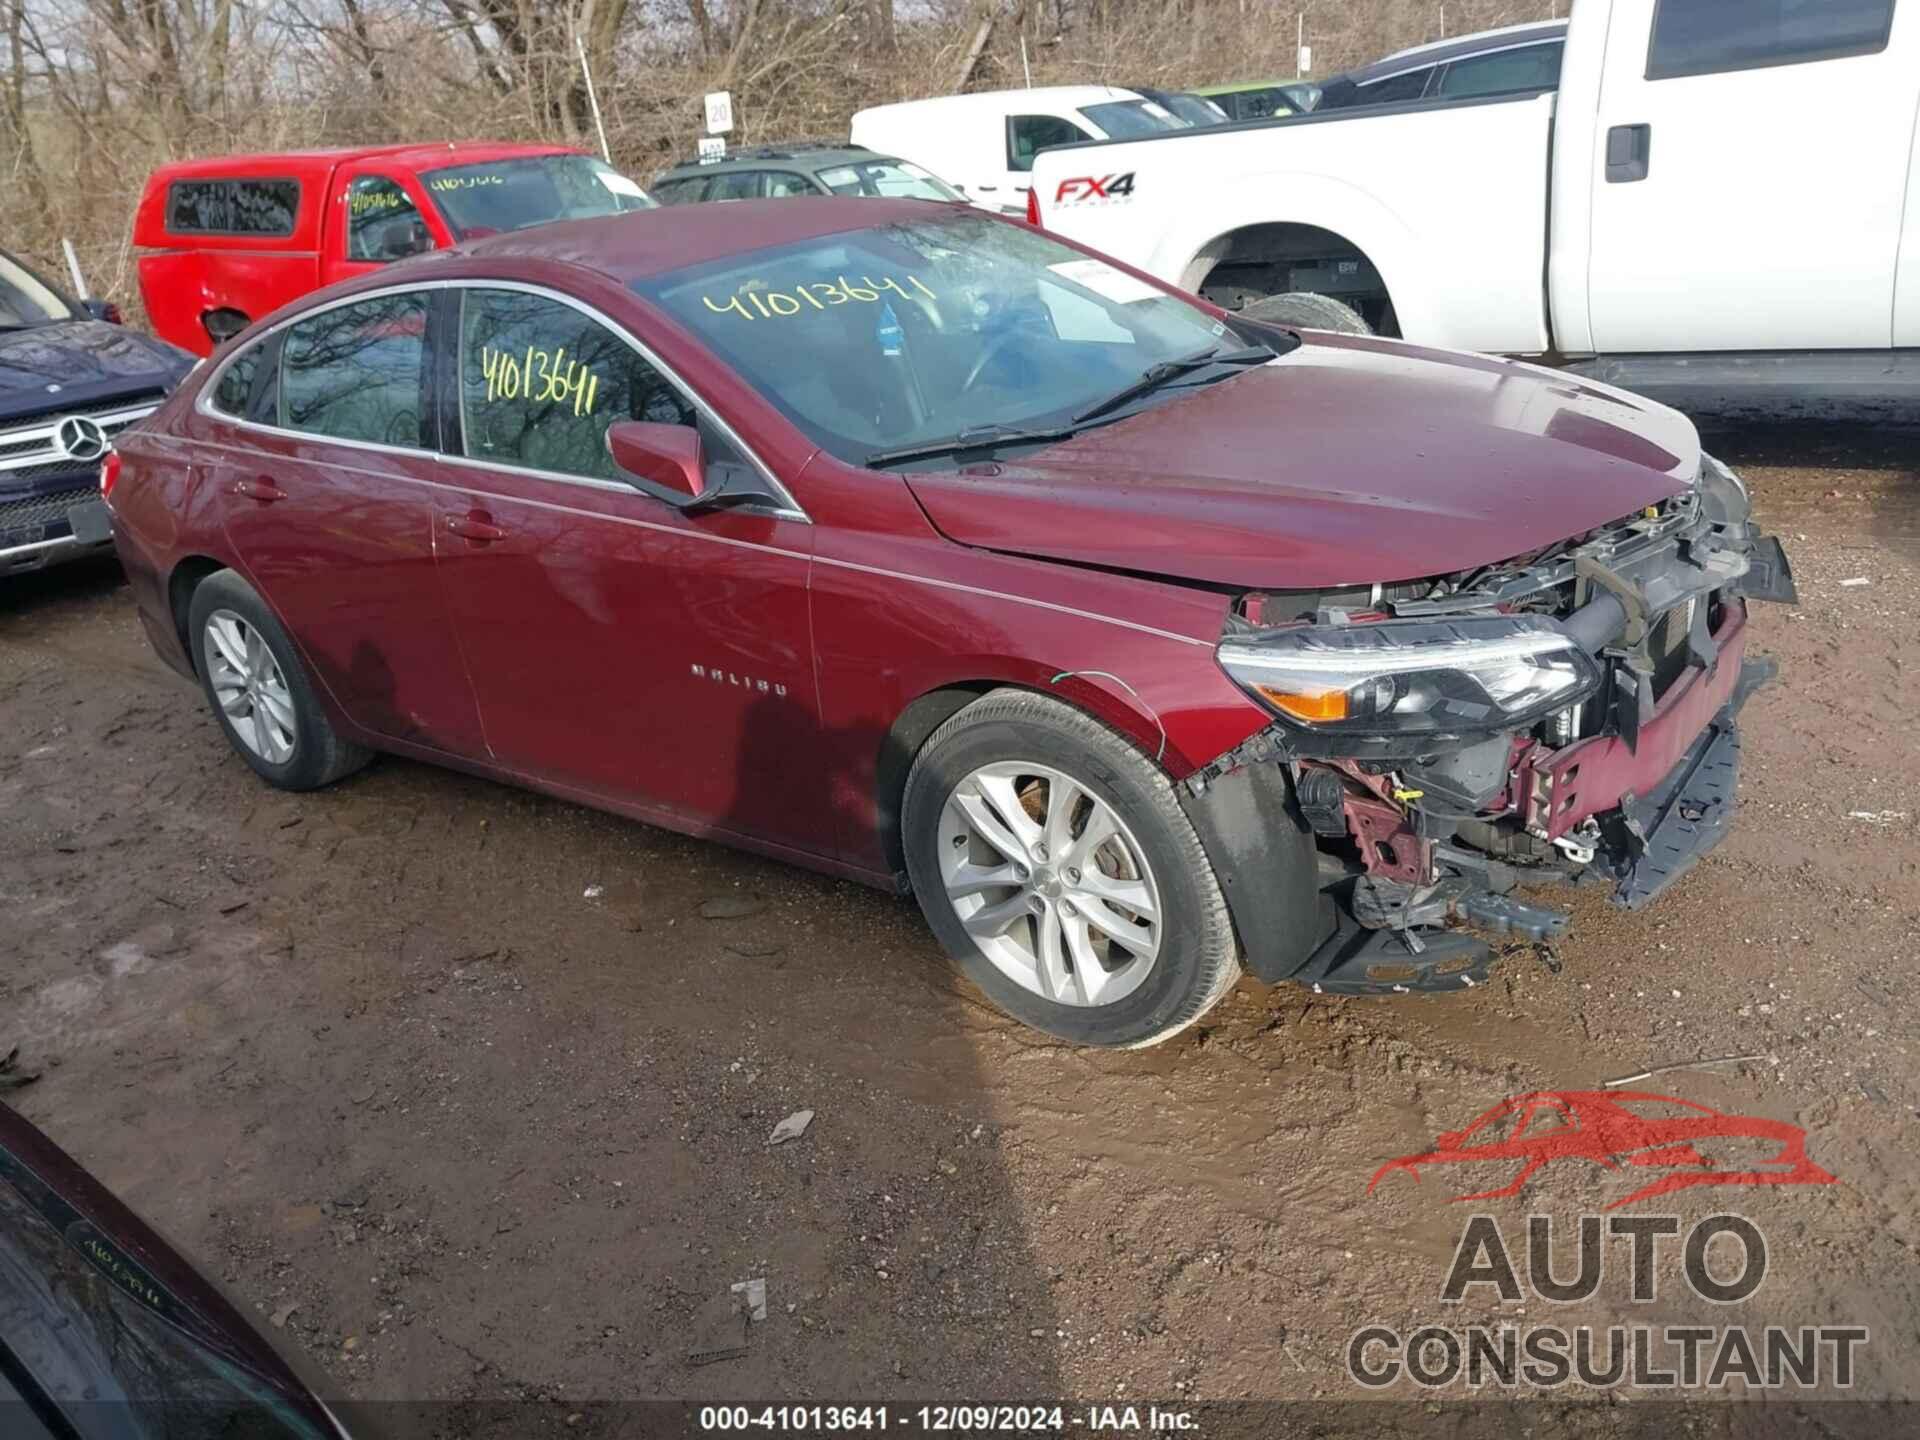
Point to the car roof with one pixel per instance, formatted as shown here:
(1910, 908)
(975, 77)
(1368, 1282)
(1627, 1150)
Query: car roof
(412, 156)
(805, 155)
(644, 243)
(1440, 51)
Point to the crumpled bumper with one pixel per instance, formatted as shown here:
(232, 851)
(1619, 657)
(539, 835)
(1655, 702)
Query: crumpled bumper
(1657, 837)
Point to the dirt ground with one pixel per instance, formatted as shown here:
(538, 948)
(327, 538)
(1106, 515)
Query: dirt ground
(458, 1087)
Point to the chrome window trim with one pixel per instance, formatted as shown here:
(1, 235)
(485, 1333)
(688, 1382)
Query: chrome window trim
(787, 509)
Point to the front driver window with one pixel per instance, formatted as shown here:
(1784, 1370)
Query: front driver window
(382, 221)
(541, 383)
(784, 184)
(358, 372)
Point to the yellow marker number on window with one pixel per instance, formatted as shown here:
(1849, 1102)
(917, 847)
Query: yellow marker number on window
(754, 301)
(541, 376)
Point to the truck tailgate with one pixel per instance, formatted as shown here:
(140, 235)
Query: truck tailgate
(1449, 201)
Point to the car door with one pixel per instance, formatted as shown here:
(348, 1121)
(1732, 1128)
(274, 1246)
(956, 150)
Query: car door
(376, 217)
(620, 647)
(322, 450)
(1750, 172)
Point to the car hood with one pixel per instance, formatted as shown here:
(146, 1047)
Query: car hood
(81, 355)
(1347, 461)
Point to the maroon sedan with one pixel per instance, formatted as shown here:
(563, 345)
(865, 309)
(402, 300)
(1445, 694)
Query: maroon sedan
(1141, 642)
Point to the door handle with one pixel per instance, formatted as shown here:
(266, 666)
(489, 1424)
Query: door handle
(259, 488)
(475, 525)
(1629, 153)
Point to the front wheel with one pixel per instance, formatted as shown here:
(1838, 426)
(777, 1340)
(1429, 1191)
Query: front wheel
(1054, 863)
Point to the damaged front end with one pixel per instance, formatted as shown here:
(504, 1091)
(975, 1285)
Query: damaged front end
(1564, 717)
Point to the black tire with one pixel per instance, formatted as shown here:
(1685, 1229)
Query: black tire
(1304, 311)
(1198, 959)
(319, 756)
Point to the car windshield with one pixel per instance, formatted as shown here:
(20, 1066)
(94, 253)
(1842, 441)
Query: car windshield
(891, 179)
(912, 333)
(1131, 119)
(499, 195)
(25, 299)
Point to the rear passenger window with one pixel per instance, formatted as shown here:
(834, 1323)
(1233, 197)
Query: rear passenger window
(541, 383)
(358, 372)
(735, 185)
(235, 390)
(1509, 72)
(1699, 37)
(232, 207)
(679, 192)
(1028, 135)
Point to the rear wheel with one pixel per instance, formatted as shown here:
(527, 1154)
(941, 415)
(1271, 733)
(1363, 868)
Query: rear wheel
(1054, 863)
(259, 690)
(1303, 311)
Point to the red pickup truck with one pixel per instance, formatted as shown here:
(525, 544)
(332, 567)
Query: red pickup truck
(229, 240)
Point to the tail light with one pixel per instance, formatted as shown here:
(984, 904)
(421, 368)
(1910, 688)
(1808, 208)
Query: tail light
(1033, 208)
(109, 474)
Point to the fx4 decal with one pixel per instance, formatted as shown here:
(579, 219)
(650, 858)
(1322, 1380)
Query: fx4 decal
(1094, 187)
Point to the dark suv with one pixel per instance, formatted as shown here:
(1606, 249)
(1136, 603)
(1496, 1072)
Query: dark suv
(70, 380)
(778, 172)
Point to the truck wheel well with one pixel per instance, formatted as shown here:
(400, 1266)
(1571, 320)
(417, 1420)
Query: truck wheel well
(1256, 261)
(185, 579)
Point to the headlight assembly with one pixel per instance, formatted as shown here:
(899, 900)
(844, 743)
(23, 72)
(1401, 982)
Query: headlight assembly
(1413, 677)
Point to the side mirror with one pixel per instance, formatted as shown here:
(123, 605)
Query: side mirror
(666, 457)
(105, 310)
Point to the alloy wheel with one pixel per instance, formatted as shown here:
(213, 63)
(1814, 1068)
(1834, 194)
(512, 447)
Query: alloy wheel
(1050, 883)
(249, 687)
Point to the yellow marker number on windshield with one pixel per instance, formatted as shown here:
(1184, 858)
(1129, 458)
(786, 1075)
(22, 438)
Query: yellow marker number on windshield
(539, 376)
(754, 302)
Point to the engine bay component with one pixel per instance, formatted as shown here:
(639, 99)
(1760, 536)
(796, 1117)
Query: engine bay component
(1564, 716)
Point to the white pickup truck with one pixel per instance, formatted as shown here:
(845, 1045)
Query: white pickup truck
(1720, 206)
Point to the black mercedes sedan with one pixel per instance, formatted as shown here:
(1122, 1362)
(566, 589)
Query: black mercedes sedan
(70, 380)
